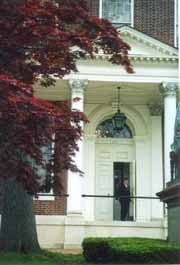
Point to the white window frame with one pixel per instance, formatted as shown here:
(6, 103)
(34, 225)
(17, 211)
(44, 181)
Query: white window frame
(176, 22)
(132, 11)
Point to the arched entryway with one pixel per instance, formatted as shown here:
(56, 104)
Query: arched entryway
(130, 150)
(115, 162)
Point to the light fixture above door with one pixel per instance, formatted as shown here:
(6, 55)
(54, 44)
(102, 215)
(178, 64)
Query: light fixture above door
(119, 118)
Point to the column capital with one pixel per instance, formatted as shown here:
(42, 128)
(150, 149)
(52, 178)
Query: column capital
(169, 88)
(155, 109)
(78, 86)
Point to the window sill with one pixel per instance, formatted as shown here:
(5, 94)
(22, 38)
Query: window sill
(45, 197)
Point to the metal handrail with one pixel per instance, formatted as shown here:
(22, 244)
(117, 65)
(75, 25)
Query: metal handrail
(100, 196)
(54, 195)
(118, 197)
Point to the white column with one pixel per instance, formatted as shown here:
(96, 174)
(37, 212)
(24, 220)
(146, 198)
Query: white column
(75, 180)
(89, 177)
(169, 91)
(156, 160)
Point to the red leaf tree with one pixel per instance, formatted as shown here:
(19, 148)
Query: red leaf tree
(40, 41)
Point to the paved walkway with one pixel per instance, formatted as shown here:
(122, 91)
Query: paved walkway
(67, 251)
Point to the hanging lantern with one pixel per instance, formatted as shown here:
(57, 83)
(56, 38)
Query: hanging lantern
(119, 119)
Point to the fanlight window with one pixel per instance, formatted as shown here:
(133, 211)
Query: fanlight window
(106, 130)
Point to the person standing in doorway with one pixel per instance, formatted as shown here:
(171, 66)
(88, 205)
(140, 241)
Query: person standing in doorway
(124, 198)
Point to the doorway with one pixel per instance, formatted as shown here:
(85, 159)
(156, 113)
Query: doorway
(113, 161)
(122, 172)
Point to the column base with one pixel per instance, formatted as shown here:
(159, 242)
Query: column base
(74, 231)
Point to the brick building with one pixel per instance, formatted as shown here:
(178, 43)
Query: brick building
(140, 152)
(155, 18)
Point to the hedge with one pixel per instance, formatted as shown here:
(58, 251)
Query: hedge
(130, 250)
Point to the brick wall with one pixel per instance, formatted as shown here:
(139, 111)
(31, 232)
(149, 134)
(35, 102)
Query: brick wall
(93, 6)
(154, 17)
(56, 207)
(53, 207)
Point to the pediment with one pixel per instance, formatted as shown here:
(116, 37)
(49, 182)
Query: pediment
(143, 45)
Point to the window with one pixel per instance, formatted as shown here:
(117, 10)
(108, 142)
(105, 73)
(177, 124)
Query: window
(46, 178)
(117, 11)
(106, 130)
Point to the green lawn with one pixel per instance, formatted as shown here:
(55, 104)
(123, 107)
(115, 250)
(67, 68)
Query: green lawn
(43, 258)
(103, 250)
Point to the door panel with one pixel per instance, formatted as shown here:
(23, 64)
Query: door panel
(106, 155)
(104, 184)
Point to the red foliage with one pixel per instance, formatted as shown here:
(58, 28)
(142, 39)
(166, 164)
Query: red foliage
(28, 123)
(41, 40)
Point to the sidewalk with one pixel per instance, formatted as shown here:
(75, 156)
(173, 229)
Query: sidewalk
(67, 251)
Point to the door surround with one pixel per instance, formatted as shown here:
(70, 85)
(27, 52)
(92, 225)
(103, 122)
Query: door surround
(140, 129)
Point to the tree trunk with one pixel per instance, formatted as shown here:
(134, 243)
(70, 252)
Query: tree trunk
(18, 226)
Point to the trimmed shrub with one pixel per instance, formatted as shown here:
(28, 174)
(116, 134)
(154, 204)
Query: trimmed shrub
(130, 250)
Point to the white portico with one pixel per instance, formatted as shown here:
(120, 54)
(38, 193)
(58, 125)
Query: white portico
(148, 99)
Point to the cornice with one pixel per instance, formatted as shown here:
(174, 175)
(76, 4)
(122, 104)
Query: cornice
(140, 58)
(169, 54)
(148, 41)
(153, 58)
(171, 193)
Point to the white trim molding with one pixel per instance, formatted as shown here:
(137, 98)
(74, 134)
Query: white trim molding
(132, 12)
(148, 41)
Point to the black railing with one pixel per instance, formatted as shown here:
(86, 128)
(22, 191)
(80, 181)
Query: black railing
(100, 196)
(119, 197)
(53, 195)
